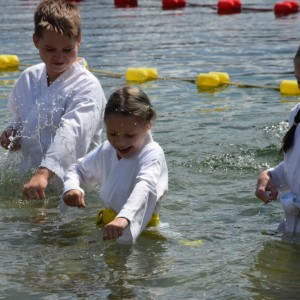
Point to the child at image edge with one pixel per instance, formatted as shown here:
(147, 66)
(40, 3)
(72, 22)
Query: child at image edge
(57, 105)
(130, 168)
(285, 177)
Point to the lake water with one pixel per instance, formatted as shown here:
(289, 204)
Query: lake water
(216, 240)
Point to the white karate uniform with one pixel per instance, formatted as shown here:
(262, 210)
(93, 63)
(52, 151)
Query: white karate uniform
(132, 187)
(60, 122)
(286, 177)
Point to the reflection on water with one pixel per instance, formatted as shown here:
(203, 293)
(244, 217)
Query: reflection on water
(216, 142)
(70, 258)
(276, 271)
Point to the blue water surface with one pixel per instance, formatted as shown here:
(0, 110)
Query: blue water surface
(216, 240)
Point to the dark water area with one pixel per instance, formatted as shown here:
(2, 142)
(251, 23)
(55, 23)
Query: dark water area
(216, 240)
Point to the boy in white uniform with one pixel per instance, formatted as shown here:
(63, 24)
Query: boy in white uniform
(57, 105)
(130, 168)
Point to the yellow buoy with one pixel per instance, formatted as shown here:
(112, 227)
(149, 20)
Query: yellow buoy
(208, 80)
(8, 61)
(141, 74)
(151, 73)
(223, 76)
(289, 87)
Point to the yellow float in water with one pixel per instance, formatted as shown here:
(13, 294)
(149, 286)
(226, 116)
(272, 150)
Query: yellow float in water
(141, 74)
(208, 80)
(223, 76)
(289, 87)
(107, 215)
(212, 79)
(9, 61)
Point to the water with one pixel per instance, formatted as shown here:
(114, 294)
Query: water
(216, 143)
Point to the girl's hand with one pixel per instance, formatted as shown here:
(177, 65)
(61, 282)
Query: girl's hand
(115, 228)
(265, 189)
(10, 140)
(74, 198)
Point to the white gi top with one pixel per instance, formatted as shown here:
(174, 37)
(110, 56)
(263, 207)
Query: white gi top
(60, 122)
(132, 187)
(286, 177)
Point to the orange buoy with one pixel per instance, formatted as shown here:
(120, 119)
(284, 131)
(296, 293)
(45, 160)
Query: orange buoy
(126, 3)
(283, 8)
(229, 7)
(173, 4)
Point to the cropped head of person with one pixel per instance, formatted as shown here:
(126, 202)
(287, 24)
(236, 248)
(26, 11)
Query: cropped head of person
(57, 35)
(128, 118)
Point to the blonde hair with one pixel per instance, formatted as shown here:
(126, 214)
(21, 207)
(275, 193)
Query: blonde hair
(130, 101)
(58, 16)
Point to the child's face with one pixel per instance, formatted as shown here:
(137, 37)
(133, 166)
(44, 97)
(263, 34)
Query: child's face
(297, 71)
(57, 51)
(126, 134)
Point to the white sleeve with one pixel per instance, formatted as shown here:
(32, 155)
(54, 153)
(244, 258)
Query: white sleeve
(141, 204)
(74, 136)
(85, 174)
(278, 176)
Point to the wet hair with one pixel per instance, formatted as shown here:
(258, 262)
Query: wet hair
(130, 101)
(59, 16)
(288, 139)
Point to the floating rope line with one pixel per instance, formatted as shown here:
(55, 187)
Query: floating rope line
(246, 85)
(105, 72)
(204, 81)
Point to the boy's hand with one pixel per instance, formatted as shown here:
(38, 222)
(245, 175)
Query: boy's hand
(35, 188)
(115, 228)
(74, 198)
(10, 140)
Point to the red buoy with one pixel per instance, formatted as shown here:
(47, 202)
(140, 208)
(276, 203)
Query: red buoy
(229, 7)
(294, 4)
(283, 8)
(173, 4)
(126, 3)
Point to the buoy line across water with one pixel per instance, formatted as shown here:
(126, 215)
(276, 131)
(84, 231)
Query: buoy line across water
(205, 81)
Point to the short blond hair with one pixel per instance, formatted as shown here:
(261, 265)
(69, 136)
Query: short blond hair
(58, 16)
